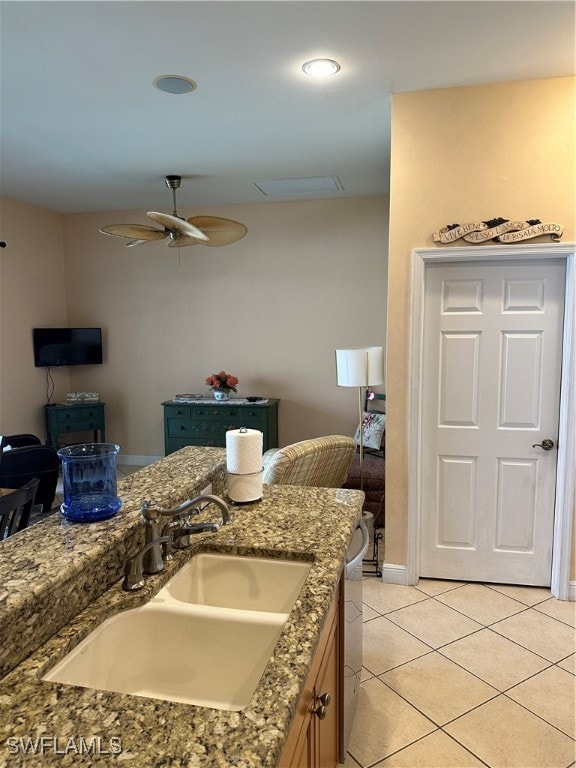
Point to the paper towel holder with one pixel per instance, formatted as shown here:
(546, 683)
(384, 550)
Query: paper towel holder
(239, 503)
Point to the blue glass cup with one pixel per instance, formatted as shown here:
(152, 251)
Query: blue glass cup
(89, 477)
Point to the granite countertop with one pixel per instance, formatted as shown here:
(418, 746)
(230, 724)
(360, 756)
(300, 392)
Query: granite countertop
(46, 724)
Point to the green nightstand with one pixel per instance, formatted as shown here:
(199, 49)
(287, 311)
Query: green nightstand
(67, 419)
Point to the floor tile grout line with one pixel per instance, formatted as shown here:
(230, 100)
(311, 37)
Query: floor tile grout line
(448, 722)
(540, 613)
(491, 698)
(443, 726)
(439, 729)
(543, 613)
(400, 749)
(439, 649)
(444, 592)
(469, 634)
(524, 608)
(535, 714)
(477, 676)
(417, 602)
(557, 664)
(494, 588)
(472, 709)
(490, 625)
(503, 637)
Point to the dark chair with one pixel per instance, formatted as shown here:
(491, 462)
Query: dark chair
(27, 459)
(15, 508)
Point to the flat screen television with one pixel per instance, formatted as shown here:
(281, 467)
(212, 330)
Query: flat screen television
(67, 346)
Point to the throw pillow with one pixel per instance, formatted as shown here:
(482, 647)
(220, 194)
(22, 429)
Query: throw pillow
(374, 426)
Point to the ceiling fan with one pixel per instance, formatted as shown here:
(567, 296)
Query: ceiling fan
(203, 230)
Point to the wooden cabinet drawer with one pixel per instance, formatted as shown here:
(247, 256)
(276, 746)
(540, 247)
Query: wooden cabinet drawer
(74, 418)
(180, 428)
(177, 411)
(207, 423)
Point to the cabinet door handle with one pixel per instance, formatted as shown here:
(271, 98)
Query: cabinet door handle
(320, 710)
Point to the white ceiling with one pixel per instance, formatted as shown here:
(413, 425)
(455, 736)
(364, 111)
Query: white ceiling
(83, 129)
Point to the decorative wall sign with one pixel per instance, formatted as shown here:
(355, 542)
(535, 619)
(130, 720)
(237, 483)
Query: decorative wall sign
(499, 230)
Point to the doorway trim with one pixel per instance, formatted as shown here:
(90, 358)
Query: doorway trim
(561, 587)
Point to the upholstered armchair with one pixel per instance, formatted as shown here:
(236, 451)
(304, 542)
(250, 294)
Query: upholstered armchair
(323, 462)
(23, 458)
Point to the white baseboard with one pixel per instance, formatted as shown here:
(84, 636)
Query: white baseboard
(394, 574)
(572, 591)
(138, 461)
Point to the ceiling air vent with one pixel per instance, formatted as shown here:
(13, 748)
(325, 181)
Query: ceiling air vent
(301, 186)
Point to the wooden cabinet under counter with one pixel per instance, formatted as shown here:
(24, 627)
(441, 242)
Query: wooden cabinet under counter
(313, 740)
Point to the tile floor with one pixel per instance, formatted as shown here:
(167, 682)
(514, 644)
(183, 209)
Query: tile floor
(459, 675)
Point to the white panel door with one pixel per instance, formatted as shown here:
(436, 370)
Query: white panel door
(491, 392)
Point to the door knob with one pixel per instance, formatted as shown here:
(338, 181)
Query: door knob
(546, 445)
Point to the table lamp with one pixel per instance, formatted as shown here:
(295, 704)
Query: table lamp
(360, 367)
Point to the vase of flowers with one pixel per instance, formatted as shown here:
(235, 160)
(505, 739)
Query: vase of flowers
(222, 384)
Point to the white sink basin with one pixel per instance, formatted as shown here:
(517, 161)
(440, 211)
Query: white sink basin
(233, 581)
(202, 656)
(205, 638)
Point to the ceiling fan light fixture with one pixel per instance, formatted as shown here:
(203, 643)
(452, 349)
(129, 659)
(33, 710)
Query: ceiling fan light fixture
(176, 84)
(321, 67)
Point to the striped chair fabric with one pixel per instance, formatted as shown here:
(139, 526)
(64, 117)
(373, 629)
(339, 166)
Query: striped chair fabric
(323, 462)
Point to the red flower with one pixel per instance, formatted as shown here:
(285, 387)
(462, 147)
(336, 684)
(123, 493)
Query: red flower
(222, 380)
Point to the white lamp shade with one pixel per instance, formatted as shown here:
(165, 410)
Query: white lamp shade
(360, 367)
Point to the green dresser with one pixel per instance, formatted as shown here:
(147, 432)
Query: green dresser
(67, 419)
(206, 423)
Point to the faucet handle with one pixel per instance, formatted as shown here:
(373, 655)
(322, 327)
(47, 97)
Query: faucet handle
(133, 570)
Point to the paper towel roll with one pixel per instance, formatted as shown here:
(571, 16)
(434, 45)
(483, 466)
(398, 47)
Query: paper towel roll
(244, 451)
(244, 488)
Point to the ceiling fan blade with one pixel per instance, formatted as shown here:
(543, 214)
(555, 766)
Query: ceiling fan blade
(220, 231)
(134, 232)
(176, 224)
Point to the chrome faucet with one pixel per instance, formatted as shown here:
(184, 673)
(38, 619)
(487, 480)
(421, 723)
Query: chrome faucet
(157, 528)
(133, 570)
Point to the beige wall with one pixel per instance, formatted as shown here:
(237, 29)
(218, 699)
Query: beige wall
(31, 294)
(308, 277)
(460, 155)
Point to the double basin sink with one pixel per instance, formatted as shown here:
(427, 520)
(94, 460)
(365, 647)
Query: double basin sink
(204, 639)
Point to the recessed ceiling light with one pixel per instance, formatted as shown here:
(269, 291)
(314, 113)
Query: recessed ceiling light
(321, 67)
(175, 84)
